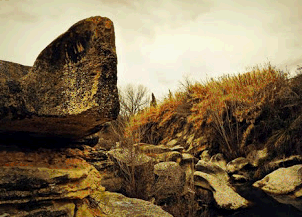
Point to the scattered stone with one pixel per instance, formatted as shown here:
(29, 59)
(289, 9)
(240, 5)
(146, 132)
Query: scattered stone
(150, 148)
(237, 164)
(172, 143)
(178, 148)
(213, 178)
(117, 205)
(286, 162)
(71, 88)
(132, 163)
(239, 178)
(188, 158)
(170, 156)
(256, 156)
(284, 184)
(205, 155)
(282, 180)
(219, 160)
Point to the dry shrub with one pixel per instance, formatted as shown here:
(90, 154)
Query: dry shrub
(258, 107)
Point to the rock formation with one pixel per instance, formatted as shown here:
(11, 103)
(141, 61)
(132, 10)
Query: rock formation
(68, 93)
(213, 178)
(284, 185)
(71, 88)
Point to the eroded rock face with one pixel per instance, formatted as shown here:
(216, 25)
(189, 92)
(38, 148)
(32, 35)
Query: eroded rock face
(47, 182)
(44, 181)
(71, 88)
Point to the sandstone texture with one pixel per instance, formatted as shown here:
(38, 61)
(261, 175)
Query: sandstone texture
(69, 91)
(47, 182)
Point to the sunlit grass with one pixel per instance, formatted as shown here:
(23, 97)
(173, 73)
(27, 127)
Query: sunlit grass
(224, 109)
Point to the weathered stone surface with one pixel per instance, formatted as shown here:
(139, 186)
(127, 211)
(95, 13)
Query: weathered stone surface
(205, 155)
(237, 164)
(117, 205)
(239, 178)
(45, 208)
(170, 179)
(44, 182)
(45, 175)
(284, 185)
(256, 156)
(169, 156)
(150, 148)
(282, 180)
(178, 148)
(286, 162)
(219, 160)
(71, 88)
(213, 178)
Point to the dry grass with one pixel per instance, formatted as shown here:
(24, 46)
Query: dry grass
(230, 111)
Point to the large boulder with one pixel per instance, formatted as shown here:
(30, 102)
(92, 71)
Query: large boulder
(212, 177)
(71, 88)
(284, 185)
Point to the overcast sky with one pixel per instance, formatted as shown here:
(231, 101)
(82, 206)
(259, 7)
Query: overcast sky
(159, 42)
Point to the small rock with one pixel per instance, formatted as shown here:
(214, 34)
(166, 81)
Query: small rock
(205, 155)
(178, 148)
(256, 156)
(188, 158)
(172, 143)
(219, 160)
(237, 164)
(239, 178)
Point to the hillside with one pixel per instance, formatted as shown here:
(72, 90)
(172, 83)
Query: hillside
(231, 115)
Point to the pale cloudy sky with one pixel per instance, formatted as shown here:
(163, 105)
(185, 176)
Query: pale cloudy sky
(160, 41)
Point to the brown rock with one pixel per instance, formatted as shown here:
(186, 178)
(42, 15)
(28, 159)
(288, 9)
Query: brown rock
(71, 89)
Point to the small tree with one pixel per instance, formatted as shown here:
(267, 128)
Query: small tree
(133, 99)
(153, 101)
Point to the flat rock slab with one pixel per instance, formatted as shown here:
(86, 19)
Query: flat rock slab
(213, 178)
(282, 180)
(284, 185)
(117, 205)
(71, 88)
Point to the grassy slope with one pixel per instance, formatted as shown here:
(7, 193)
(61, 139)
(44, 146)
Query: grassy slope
(231, 115)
